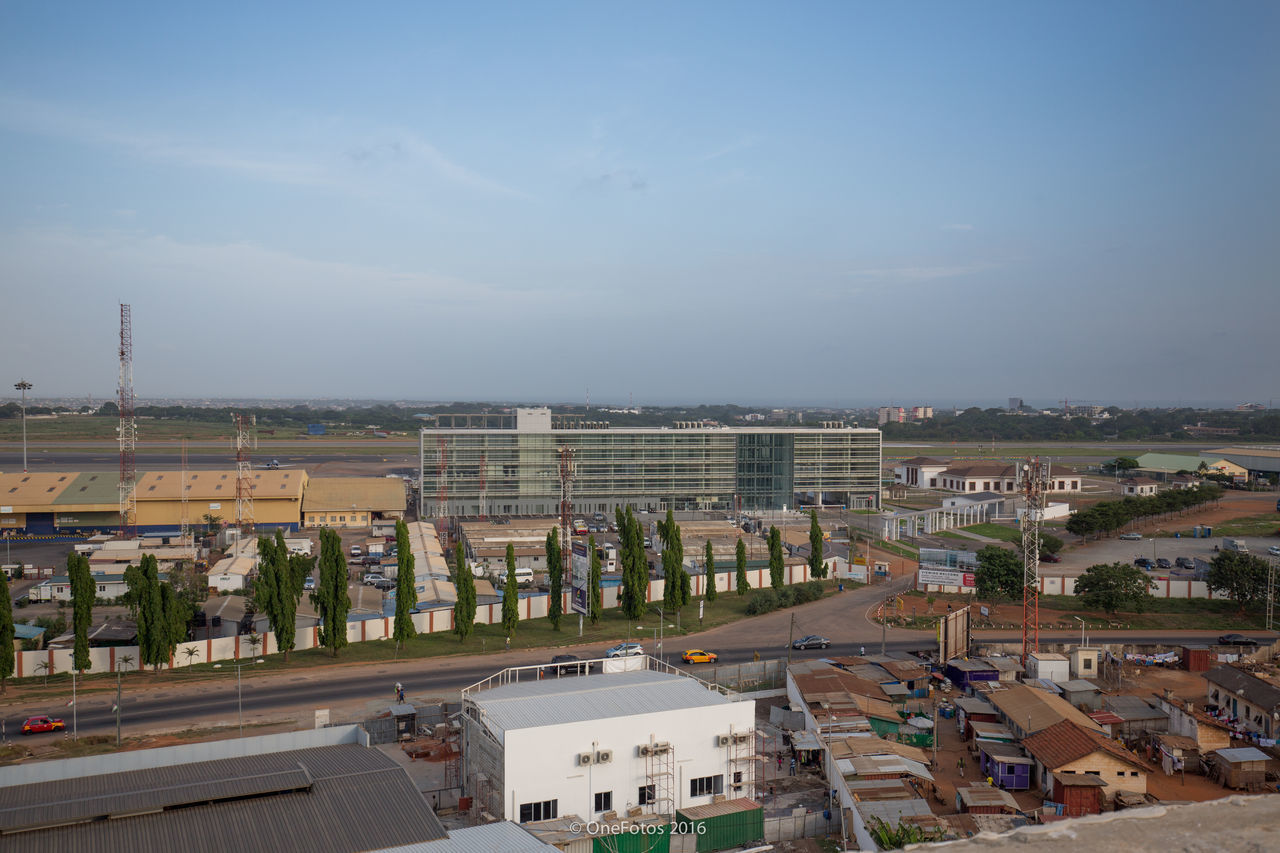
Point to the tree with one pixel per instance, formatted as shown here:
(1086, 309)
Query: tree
(1114, 586)
(1050, 544)
(555, 570)
(406, 589)
(177, 616)
(152, 630)
(42, 667)
(83, 593)
(464, 606)
(510, 595)
(709, 561)
(775, 559)
(191, 653)
(635, 571)
(273, 592)
(1243, 577)
(330, 598)
(595, 601)
(675, 587)
(817, 568)
(133, 583)
(999, 573)
(741, 581)
(6, 633)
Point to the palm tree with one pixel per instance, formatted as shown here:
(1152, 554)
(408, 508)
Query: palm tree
(126, 661)
(43, 667)
(254, 642)
(190, 652)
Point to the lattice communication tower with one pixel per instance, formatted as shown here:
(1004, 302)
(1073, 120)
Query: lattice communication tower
(1033, 480)
(128, 429)
(246, 440)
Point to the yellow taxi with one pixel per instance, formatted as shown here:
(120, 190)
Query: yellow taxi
(699, 656)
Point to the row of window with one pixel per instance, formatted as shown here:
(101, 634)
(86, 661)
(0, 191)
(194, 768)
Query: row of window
(701, 786)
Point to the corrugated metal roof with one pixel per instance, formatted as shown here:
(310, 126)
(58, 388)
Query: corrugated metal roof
(505, 836)
(893, 811)
(556, 701)
(330, 494)
(742, 804)
(1243, 753)
(359, 799)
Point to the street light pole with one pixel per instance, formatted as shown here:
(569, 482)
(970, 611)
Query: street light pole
(1081, 621)
(24, 386)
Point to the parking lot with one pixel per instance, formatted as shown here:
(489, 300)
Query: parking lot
(1080, 558)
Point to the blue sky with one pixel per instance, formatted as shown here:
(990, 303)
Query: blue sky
(793, 203)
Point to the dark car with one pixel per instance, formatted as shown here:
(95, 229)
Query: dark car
(813, 641)
(1144, 563)
(566, 665)
(1162, 563)
(1050, 558)
(1236, 640)
(1184, 563)
(386, 584)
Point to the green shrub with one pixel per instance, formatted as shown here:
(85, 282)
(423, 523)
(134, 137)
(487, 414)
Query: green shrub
(764, 601)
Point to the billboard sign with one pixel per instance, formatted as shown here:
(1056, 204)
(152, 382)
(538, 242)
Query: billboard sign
(953, 635)
(580, 577)
(946, 577)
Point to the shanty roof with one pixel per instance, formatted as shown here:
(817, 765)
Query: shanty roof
(1019, 702)
(974, 796)
(971, 665)
(1243, 753)
(1077, 685)
(893, 811)
(856, 745)
(1132, 708)
(555, 701)
(370, 494)
(343, 797)
(724, 807)
(1080, 780)
(1004, 664)
(1005, 753)
(1065, 742)
(1251, 689)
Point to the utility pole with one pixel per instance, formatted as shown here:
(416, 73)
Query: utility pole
(791, 637)
(117, 708)
(24, 386)
(884, 623)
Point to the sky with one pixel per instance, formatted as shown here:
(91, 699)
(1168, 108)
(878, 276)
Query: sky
(817, 203)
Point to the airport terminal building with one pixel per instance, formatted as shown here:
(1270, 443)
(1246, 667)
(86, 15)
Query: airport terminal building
(509, 464)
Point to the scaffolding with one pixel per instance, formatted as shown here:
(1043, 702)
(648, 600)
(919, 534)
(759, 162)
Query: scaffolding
(743, 756)
(659, 771)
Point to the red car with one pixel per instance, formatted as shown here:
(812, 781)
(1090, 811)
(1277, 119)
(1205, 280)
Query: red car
(1050, 558)
(42, 724)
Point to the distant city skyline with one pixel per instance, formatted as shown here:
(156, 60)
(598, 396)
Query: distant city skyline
(831, 203)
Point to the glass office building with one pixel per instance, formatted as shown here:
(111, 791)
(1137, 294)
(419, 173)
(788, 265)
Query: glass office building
(510, 465)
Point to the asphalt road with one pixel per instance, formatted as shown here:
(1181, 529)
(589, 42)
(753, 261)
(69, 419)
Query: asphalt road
(61, 459)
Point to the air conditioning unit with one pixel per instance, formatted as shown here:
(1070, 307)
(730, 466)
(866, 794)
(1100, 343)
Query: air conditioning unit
(741, 737)
(661, 747)
(646, 749)
(723, 740)
(585, 758)
(604, 756)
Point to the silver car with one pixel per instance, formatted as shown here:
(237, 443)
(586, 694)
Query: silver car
(624, 650)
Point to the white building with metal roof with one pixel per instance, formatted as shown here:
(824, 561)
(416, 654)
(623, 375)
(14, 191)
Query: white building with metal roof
(634, 737)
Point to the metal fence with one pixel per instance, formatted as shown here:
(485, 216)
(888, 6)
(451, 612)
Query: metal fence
(383, 729)
(748, 677)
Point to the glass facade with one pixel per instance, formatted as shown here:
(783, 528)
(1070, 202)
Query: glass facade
(514, 472)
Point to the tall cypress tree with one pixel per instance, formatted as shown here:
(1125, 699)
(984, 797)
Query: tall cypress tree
(555, 571)
(6, 633)
(775, 559)
(817, 568)
(464, 606)
(709, 560)
(510, 595)
(595, 599)
(152, 630)
(741, 581)
(274, 591)
(83, 593)
(330, 598)
(636, 575)
(406, 589)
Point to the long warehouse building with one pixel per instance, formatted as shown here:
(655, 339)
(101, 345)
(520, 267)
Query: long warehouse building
(509, 464)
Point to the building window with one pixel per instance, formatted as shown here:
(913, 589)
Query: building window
(704, 786)
(342, 518)
(604, 801)
(1075, 484)
(545, 810)
(1087, 663)
(647, 795)
(933, 481)
(102, 588)
(1133, 772)
(1120, 773)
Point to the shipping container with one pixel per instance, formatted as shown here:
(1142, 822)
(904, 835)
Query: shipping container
(648, 838)
(723, 826)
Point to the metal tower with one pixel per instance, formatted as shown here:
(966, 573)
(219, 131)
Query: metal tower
(1034, 479)
(185, 532)
(566, 510)
(127, 430)
(246, 440)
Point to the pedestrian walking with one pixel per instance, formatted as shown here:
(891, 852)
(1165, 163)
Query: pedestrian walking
(508, 643)
(779, 762)
(793, 767)
(862, 650)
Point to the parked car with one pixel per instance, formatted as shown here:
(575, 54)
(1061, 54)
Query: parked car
(386, 584)
(699, 656)
(370, 560)
(1162, 563)
(598, 516)
(1236, 640)
(624, 650)
(813, 641)
(1131, 537)
(1050, 558)
(1184, 563)
(1144, 563)
(1274, 550)
(373, 578)
(355, 551)
(309, 584)
(34, 725)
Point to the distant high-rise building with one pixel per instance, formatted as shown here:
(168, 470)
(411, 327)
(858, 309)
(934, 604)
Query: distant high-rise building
(921, 413)
(1015, 404)
(891, 414)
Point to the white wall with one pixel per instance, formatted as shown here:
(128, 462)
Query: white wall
(540, 763)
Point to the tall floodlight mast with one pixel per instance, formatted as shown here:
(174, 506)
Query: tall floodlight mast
(128, 429)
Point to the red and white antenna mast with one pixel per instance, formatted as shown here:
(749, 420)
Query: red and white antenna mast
(246, 440)
(128, 429)
(1034, 480)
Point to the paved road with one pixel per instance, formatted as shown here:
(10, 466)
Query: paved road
(61, 459)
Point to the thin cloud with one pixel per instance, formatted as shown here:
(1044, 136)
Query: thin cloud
(918, 274)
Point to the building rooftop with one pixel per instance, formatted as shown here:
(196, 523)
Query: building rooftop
(1019, 702)
(248, 794)
(976, 796)
(1243, 753)
(1132, 708)
(504, 835)
(1065, 742)
(1249, 687)
(556, 701)
(363, 494)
